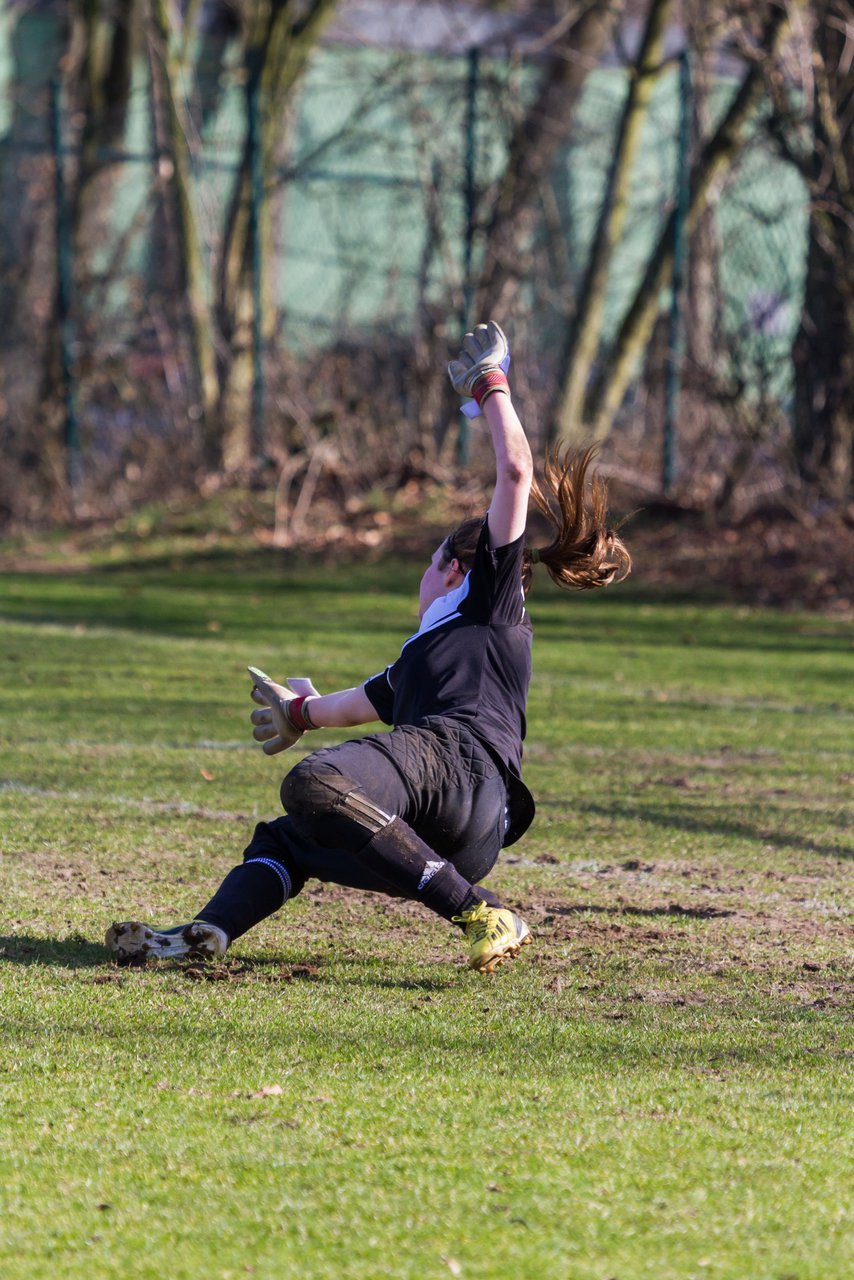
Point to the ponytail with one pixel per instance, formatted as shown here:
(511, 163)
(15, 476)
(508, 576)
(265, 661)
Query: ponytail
(584, 551)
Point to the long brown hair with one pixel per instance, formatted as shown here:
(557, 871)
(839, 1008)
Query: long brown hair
(585, 551)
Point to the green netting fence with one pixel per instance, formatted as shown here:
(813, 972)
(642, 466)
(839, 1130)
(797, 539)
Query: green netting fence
(377, 205)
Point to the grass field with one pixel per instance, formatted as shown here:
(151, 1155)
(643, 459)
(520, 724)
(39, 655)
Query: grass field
(661, 1085)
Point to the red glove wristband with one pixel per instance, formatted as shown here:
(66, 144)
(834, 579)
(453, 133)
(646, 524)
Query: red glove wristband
(298, 714)
(490, 380)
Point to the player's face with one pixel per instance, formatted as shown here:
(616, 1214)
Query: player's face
(437, 581)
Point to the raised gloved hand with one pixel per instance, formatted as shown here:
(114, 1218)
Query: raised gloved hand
(481, 367)
(278, 725)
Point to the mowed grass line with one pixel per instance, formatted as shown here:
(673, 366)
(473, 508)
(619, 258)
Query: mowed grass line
(661, 1086)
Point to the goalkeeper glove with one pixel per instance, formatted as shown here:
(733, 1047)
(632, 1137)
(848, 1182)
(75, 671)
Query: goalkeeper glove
(280, 719)
(481, 367)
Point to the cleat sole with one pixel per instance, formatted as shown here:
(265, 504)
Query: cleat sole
(509, 953)
(132, 943)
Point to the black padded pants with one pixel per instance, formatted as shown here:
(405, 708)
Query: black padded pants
(439, 784)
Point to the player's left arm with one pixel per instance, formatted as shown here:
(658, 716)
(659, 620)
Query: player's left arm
(480, 372)
(514, 470)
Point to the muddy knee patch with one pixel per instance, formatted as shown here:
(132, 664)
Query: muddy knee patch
(312, 790)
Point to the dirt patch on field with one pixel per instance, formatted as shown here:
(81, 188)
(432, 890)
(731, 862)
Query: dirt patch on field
(717, 937)
(613, 937)
(693, 952)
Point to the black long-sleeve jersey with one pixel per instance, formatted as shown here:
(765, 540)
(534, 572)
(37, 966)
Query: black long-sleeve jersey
(470, 660)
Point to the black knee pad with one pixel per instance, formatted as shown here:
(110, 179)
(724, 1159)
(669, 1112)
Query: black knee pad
(301, 795)
(314, 789)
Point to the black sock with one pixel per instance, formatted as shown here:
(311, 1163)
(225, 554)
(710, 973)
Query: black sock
(248, 894)
(448, 894)
(486, 895)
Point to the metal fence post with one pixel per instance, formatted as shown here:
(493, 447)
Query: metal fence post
(64, 287)
(470, 179)
(256, 202)
(675, 344)
(470, 193)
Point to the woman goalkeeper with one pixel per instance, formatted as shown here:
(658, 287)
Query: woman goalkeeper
(422, 811)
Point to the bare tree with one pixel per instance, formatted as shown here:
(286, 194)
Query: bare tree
(814, 127)
(279, 38)
(99, 88)
(166, 69)
(96, 82)
(579, 40)
(27, 229)
(616, 368)
(583, 331)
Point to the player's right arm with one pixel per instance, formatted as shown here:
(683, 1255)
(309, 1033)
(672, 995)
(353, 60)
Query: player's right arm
(283, 714)
(342, 710)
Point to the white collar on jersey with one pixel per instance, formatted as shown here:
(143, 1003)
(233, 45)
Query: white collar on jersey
(442, 610)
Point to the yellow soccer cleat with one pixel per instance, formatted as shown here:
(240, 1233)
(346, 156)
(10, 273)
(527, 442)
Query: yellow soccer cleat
(494, 935)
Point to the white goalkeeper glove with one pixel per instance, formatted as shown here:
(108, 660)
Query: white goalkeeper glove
(481, 367)
(277, 724)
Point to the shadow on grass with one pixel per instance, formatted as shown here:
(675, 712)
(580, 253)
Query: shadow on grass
(710, 823)
(177, 595)
(344, 971)
(403, 984)
(674, 909)
(286, 969)
(77, 952)
(73, 952)
(183, 601)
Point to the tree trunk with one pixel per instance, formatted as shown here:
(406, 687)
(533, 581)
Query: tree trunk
(533, 148)
(39, 40)
(719, 153)
(215, 37)
(30, 425)
(583, 337)
(102, 92)
(280, 43)
(824, 360)
(702, 288)
(823, 351)
(166, 66)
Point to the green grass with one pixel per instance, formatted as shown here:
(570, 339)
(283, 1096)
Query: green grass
(661, 1086)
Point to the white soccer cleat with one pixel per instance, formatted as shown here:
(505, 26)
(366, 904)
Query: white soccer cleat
(132, 942)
